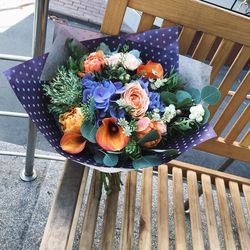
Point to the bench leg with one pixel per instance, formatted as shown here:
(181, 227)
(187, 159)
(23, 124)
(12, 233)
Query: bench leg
(222, 168)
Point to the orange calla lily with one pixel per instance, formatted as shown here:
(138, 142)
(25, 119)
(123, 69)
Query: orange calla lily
(110, 136)
(150, 70)
(72, 143)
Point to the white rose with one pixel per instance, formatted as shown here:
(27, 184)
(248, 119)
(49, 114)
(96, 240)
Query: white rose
(114, 60)
(197, 112)
(130, 62)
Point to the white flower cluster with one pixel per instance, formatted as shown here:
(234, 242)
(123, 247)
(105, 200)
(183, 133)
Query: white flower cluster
(156, 115)
(127, 60)
(127, 130)
(169, 113)
(158, 83)
(197, 112)
(121, 103)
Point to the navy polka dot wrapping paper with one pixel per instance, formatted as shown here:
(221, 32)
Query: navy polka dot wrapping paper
(159, 45)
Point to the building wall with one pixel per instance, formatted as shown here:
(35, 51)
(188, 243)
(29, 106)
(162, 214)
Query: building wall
(86, 10)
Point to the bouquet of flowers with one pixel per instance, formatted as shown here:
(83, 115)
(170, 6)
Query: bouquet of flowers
(117, 101)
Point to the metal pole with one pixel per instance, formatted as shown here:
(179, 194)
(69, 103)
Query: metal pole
(39, 37)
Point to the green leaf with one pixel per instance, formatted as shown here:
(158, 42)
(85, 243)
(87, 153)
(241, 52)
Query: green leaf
(171, 152)
(168, 98)
(210, 94)
(110, 160)
(115, 152)
(206, 115)
(98, 157)
(195, 93)
(184, 103)
(88, 131)
(182, 96)
(91, 109)
(105, 48)
(151, 136)
(76, 49)
(147, 161)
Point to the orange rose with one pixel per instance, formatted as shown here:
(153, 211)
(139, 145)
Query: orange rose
(94, 62)
(145, 125)
(72, 121)
(150, 70)
(136, 97)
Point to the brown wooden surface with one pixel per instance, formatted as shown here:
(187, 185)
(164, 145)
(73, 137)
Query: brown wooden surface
(145, 236)
(59, 223)
(162, 209)
(179, 215)
(128, 217)
(146, 22)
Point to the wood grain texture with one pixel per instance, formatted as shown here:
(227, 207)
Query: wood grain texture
(109, 217)
(231, 76)
(77, 209)
(167, 24)
(220, 57)
(225, 215)
(213, 238)
(239, 125)
(185, 39)
(233, 105)
(162, 209)
(237, 151)
(246, 190)
(212, 173)
(146, 22)
(194, 208)
(113, 17)
(239, 215)
(201, 17)
(60, 219)
(203, 47)
(91, 212)
(145, 232)
(245, 141)
(179, 214)
(128, 217)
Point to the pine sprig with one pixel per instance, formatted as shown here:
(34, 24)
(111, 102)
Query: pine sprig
(65, 91)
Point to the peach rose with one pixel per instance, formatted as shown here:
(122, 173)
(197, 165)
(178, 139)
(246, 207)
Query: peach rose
(72, 121)
(94, 62)
(145, 125)
(136, 97)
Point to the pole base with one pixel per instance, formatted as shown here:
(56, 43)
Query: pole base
(27, 178)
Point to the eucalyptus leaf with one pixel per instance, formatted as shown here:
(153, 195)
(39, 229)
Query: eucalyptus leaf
(195, 93)
(168, 98)
(184, 103)
(98, 157)
(105, 48)
(210, 94)
(182, 96)
(171, 152)
(115, 152)
(151, 136)
(147, 161)
(88, 131)
(110, 160)
(135, 52)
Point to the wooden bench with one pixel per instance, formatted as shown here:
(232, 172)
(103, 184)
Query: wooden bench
(221, 218)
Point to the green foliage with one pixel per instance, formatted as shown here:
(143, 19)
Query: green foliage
(147, 161)
(64, 91)
(105, 48)
(76, 49)
(110, 160)
(183, 125)
(195, 93)
(206, 115)
(173, 82)
(133, 150)
(151, 136)
(88, 131)
(168, 98)
(210, 94)
(182, 96)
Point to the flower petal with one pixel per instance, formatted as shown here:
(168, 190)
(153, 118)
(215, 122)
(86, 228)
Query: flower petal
(72, 143)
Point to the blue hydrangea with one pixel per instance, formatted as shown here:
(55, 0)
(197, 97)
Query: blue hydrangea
(155, 102)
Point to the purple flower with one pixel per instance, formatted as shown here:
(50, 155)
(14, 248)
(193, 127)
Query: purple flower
(116, 112)
(155, 102)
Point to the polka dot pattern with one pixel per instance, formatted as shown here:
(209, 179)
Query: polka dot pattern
(160, 45)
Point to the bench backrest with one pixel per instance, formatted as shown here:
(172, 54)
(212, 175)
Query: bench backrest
(207, 32)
